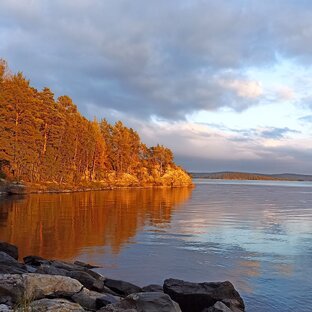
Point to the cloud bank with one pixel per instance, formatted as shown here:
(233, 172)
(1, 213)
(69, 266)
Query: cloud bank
(163, 60)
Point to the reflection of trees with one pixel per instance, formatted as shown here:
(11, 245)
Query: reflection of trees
(59, 225)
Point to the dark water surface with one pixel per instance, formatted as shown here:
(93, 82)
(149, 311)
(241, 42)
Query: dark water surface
(256, 234)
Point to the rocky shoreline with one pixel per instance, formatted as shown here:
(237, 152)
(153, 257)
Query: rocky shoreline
(15, 188)
(38, 285)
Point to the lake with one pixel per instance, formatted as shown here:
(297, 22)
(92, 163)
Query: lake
(257, 234)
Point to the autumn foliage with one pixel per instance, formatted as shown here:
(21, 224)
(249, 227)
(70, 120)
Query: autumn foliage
(48, 140)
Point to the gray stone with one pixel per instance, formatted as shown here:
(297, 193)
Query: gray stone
(105, 300)
(30, 269)
(94, 274)
(51, 270)
(35, 261)
(233, 304)
(16, 189)
(86, 265)
(196, 297)
(40, 285)
(9, 249)
(5, 308)
(90, 299)
(152, 288)
(121, 287)
(142, 302)
(83, 277)
(12, 288)
(55, 305)
(218, 307)
(66, 266)
(99, 286)
(9, 265)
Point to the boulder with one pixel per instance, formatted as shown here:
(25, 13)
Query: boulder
(86, 265)
(9, 249)
(105, 300)
(40, 285)
(30, 269)
(55, 305)
(35, 261)
(233, 304)
(49, 269)
(219, 306)
(9, 265)
(92, 300)
(99, 286)
(152, 288)
(142, 302)
(67, 266)
(121, 287)
(12, 288)
(83, 277)
(196, 297)
(94, 274)
(5, 308)
(16, 189)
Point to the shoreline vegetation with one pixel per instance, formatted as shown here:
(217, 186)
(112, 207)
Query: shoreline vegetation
(48, 146)
(229, 175)
(37, 284)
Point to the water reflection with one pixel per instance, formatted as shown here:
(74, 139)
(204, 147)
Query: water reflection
(60, 225)
(256, 235)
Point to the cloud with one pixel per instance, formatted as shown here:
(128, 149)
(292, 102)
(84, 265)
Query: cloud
(244, 89)
(285, 93)
(154, 64)
(161, 58)
(307, 118)
(276, 133)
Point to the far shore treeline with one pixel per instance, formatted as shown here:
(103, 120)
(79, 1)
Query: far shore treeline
(46, 140)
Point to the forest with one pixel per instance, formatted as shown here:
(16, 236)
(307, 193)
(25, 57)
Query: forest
(46, 140)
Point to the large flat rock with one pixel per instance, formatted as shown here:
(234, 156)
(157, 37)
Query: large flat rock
(144, 302)
(196, 297)
(55, 305)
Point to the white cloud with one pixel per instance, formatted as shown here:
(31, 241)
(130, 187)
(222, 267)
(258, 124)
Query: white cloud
(244, 88)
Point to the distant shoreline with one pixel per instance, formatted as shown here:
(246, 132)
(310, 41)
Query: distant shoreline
(229, 175)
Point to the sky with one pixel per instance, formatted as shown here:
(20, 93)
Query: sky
(227, 85)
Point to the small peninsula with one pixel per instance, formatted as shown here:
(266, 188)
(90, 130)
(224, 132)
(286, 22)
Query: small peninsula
(48, 145)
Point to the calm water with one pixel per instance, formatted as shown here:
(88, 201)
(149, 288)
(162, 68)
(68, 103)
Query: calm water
(256, 234)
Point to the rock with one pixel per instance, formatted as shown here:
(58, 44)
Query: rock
(16, 189)
(83, 277)
(99, 286)
(9, 249)
(105, 300)
(49, 269)
(92, 300)
(152, 288)
(5, 308)
(30, 269)
(55, 305)
(86, 265)
(9, 265)
(233, 304)
(94, 274)
(196, 297)
(142, 302)
(218, 307)
(35, 261)
(121, 287)
(66, 266)
(40, 285)
(12, 288)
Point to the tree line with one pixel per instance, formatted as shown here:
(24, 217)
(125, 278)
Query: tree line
(43, 139)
